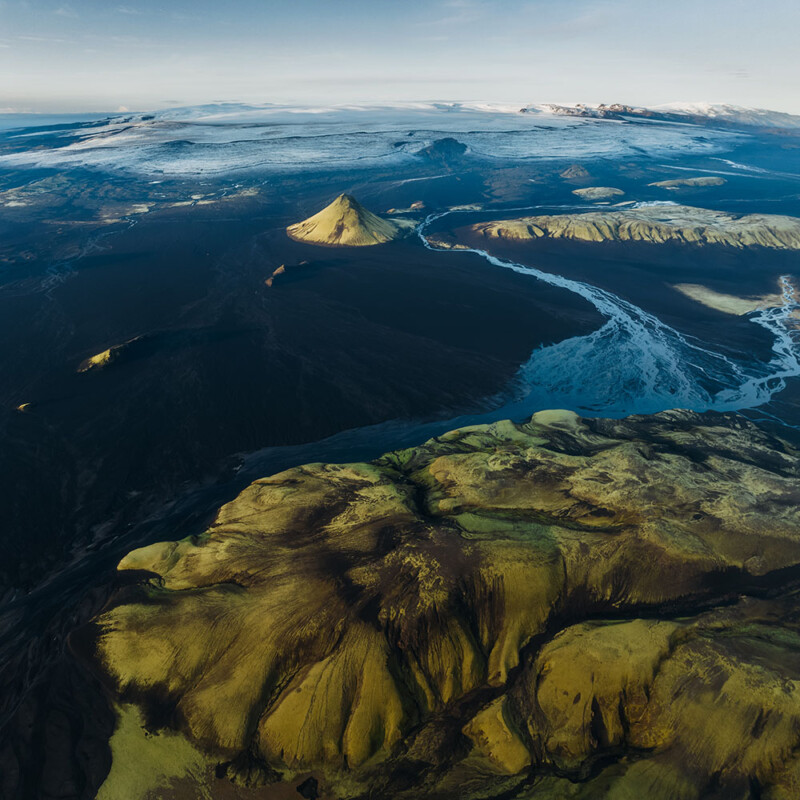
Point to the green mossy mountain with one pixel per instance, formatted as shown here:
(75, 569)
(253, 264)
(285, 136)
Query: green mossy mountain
(564, 608)
(346, 223)
(655, 224)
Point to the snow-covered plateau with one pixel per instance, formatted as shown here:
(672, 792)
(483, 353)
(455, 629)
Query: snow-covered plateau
(229, 137)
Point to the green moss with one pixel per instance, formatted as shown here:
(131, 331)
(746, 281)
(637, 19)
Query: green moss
(144, 763)
(337, 616)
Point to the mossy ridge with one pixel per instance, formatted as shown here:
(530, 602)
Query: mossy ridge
(344, 618)
(654, 224)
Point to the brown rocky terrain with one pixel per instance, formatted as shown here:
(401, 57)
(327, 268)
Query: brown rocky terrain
(690, 183)
(445, 152)
(598, 193)
(564, 608)
(575, 172)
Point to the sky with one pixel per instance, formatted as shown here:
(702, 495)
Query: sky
(103, 55)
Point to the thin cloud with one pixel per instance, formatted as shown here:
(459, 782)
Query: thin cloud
(44, 39)
(459, 12)
(589, 19)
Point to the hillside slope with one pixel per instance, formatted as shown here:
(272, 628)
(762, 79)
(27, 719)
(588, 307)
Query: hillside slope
(346, 223)
(499, 606)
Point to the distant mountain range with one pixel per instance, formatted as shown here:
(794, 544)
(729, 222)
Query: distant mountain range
(226, 137)
(715, 114)
(696, 113)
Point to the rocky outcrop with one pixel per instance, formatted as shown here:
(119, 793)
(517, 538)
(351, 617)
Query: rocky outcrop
(690, 183)
(445, 151)
(655, 224)
(282, 272)
(110, 356)
(575, 172)
(712, 115)
(734, 304)
(417, 205)
(346, 223)
(473, 616)
(598, 193)
(276, 273)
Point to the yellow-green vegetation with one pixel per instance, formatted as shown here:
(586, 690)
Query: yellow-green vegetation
(495, 739)
(706, 707)
(729, 303)
(98, 361)
(598, 193)
(656, 224)
(473, 616)
(346, 223)
(690, 183)
(106, 357)
(146, 764)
